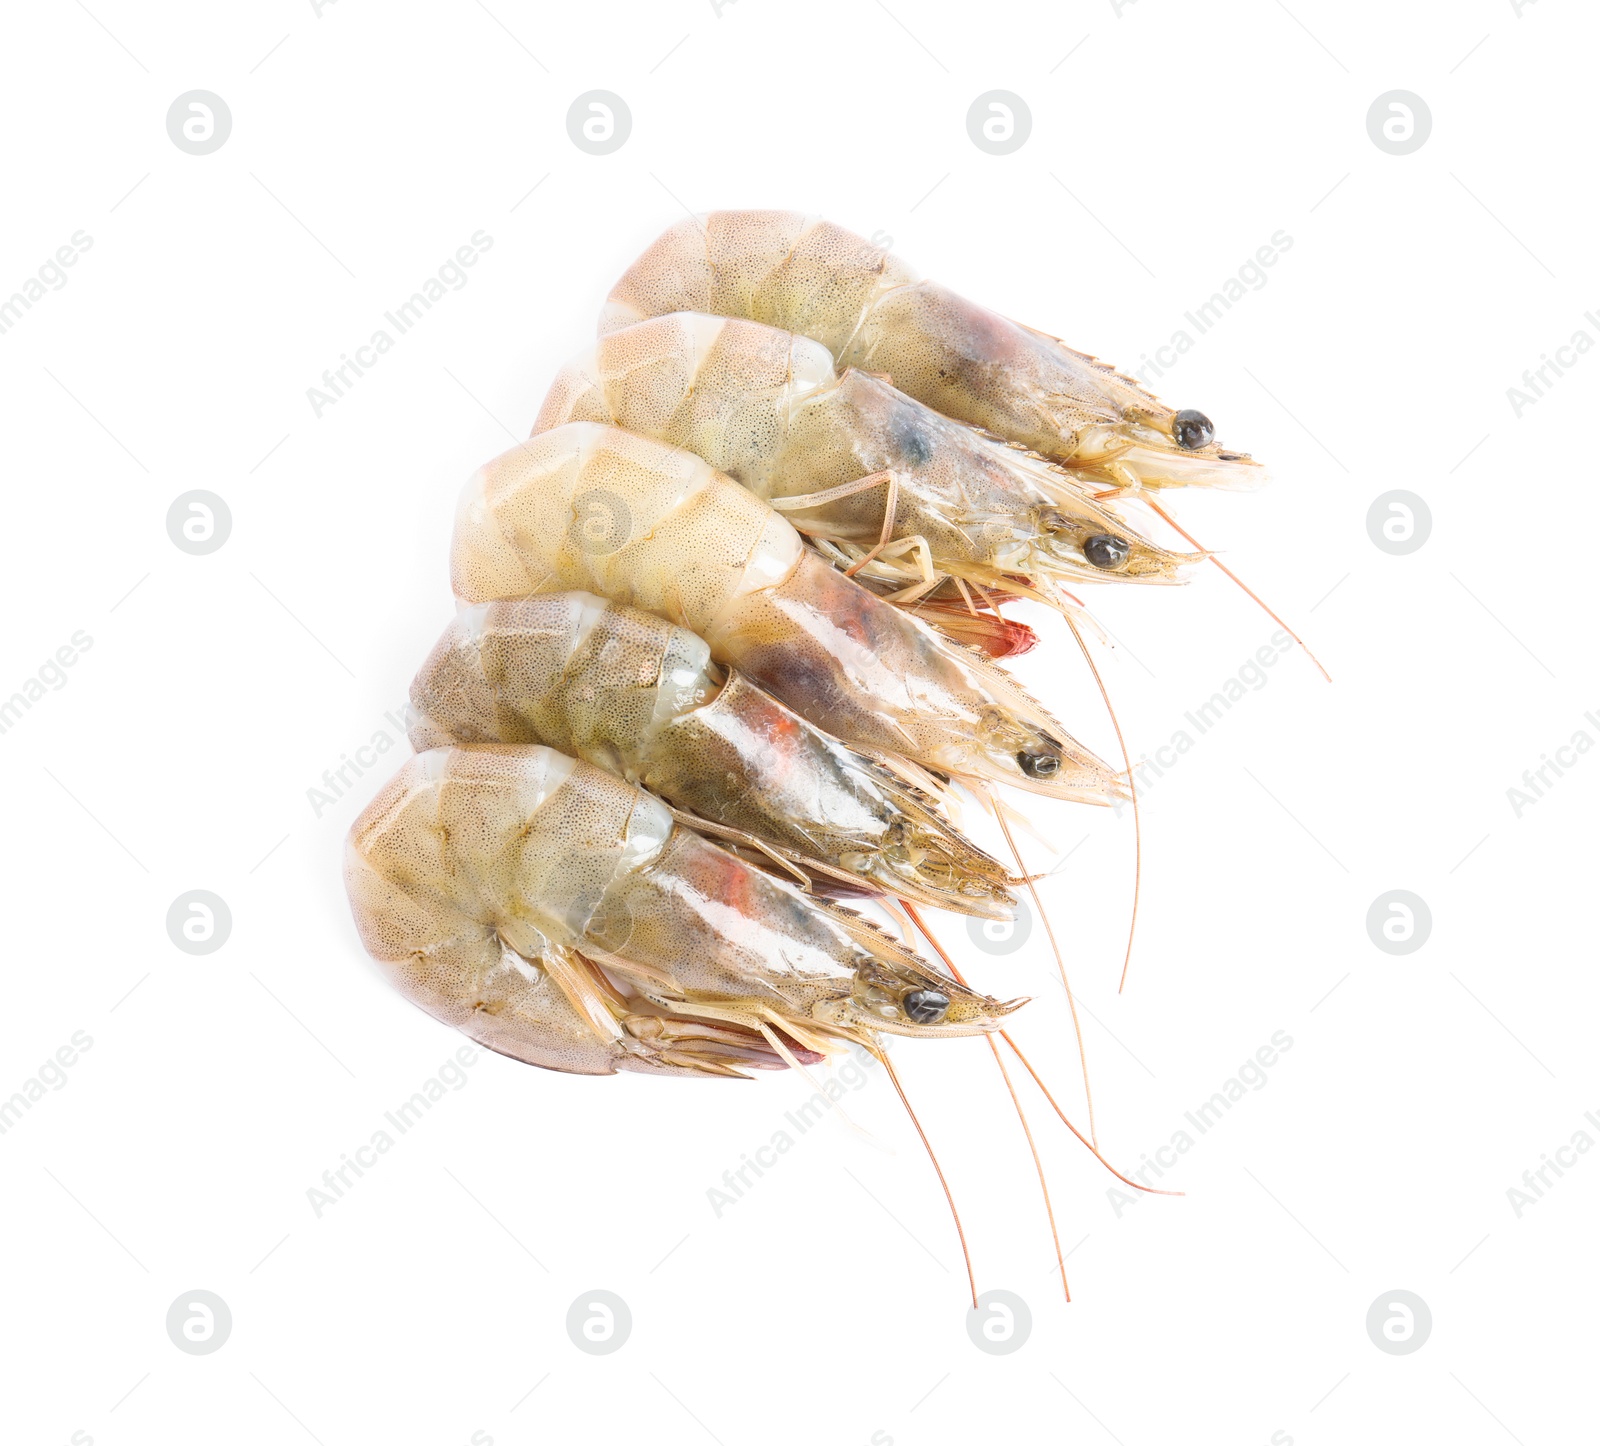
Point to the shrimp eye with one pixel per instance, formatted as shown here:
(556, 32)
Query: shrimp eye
(1042, 762)
(925, 1006)
(1192, 429)
(1106, 550)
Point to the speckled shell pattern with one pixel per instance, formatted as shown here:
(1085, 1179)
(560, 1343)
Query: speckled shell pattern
(768, 408)
(640, 696)
(872, 311)
(594, 508)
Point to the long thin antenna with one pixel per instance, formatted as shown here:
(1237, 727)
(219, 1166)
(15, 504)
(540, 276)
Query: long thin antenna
(1045, 1090)
(1061, 964)
(1038, 1166)
(1133, 795)
(966, 1255)
(1167, 517)
(1016, 1104)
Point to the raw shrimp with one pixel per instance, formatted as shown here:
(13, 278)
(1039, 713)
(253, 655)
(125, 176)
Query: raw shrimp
(560, 916)
(767, 407)
(557, 914)
(649, 525)
(638, 695)
(870, 310)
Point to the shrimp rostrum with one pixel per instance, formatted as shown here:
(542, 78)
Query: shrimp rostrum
(641, 696)
(872, 312)
(561, 916)
(900, 492)
(651, 526)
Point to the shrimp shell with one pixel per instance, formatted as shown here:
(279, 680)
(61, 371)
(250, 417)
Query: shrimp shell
(598, 509)
(872, 311)
(492, 881)
(640, 696)
(767, 407)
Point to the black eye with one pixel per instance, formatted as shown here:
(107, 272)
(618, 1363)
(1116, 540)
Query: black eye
(1042, 762)
(1192, 429)
(1106, 550)
(925, 1006)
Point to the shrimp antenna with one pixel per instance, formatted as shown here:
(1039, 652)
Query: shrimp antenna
(1167, 517)
(1061, 963)
(1133, 795)
(1016, 1104)
(966, 1255)
(1045, 1091)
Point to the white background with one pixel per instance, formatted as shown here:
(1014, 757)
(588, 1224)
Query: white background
(826, 1305)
